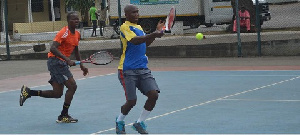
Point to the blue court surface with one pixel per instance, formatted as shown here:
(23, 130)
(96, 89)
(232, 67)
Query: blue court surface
(190, 102)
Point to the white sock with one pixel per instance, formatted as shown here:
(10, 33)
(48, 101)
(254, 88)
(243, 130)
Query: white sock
(143, 116)
(121, 117)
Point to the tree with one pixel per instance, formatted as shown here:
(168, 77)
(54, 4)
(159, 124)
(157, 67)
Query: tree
(250, 7)
(81, 6)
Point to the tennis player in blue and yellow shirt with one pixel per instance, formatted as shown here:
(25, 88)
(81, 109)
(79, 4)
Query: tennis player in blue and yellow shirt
(133, 71)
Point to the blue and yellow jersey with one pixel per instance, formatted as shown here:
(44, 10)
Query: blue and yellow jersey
(133, 56)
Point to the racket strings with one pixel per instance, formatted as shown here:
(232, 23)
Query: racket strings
(101, 58)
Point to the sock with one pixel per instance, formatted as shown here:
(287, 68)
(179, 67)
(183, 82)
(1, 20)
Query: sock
(143, 116)
(35, 92)
(65, 109)
(121, 117)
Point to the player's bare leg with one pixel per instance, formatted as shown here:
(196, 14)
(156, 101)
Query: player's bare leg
(151, 101)
(139, 125)
(65, 117)
(125, 109)
(57, 91)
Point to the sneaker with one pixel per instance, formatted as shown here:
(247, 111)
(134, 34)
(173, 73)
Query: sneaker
(140, 127)
(24, 94)
(120, 127)
(66, 119)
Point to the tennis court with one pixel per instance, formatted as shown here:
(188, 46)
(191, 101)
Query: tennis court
(244, 96)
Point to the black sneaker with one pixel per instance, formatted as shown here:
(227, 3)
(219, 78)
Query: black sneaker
(140, 127)
(66, 119)
(24, 94)
(120, 127)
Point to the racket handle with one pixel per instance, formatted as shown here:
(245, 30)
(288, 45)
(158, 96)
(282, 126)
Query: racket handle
(77, 62)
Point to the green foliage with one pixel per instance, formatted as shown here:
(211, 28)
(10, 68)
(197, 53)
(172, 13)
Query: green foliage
(81, 6)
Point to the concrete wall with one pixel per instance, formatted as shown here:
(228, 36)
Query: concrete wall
(249, 49)
(38, 27)
(283, 43)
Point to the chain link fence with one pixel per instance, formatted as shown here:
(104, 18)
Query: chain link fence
(30, 33)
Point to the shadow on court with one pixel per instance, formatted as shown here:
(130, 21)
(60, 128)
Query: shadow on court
(190, 102)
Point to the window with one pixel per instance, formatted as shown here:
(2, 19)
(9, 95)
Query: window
(37, 6)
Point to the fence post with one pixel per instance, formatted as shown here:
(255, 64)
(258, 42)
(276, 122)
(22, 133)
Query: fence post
(6, 30)
(258, 27)
(238, 28)
(120, 23)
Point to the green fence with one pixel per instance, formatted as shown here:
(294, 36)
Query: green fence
(30, 36)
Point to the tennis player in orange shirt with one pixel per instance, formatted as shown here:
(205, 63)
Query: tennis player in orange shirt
(65, 42)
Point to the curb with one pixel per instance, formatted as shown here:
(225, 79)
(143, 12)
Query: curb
(225, 45)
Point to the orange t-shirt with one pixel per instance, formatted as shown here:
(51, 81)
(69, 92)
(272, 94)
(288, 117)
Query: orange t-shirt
(67, 40)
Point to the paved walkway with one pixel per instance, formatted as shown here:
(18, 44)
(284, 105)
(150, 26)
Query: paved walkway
(34, 72)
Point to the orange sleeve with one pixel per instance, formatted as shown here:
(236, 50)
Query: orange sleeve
(59, 36)
(79, 36)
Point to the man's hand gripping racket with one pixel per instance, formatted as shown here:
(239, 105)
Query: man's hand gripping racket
(98, 58)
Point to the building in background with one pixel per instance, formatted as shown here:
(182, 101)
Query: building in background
(34, 16)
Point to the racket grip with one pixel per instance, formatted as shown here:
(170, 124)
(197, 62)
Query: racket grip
(77, 62)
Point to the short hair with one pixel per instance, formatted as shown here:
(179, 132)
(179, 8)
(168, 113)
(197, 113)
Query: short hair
(69, 14)
(128, 7)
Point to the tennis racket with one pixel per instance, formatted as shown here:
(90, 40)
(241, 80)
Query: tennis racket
(98, 58)
(170, 21)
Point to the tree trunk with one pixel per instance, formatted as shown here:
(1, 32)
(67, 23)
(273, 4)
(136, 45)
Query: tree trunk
(250, 7)
(86, 18)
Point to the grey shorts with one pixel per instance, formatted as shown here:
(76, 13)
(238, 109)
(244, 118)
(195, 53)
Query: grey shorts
(59, 70)
(141, 79)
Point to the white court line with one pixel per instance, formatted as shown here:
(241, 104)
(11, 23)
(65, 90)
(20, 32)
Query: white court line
(49, 84)
(261, 100)
(203, 103)
(250, 75)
